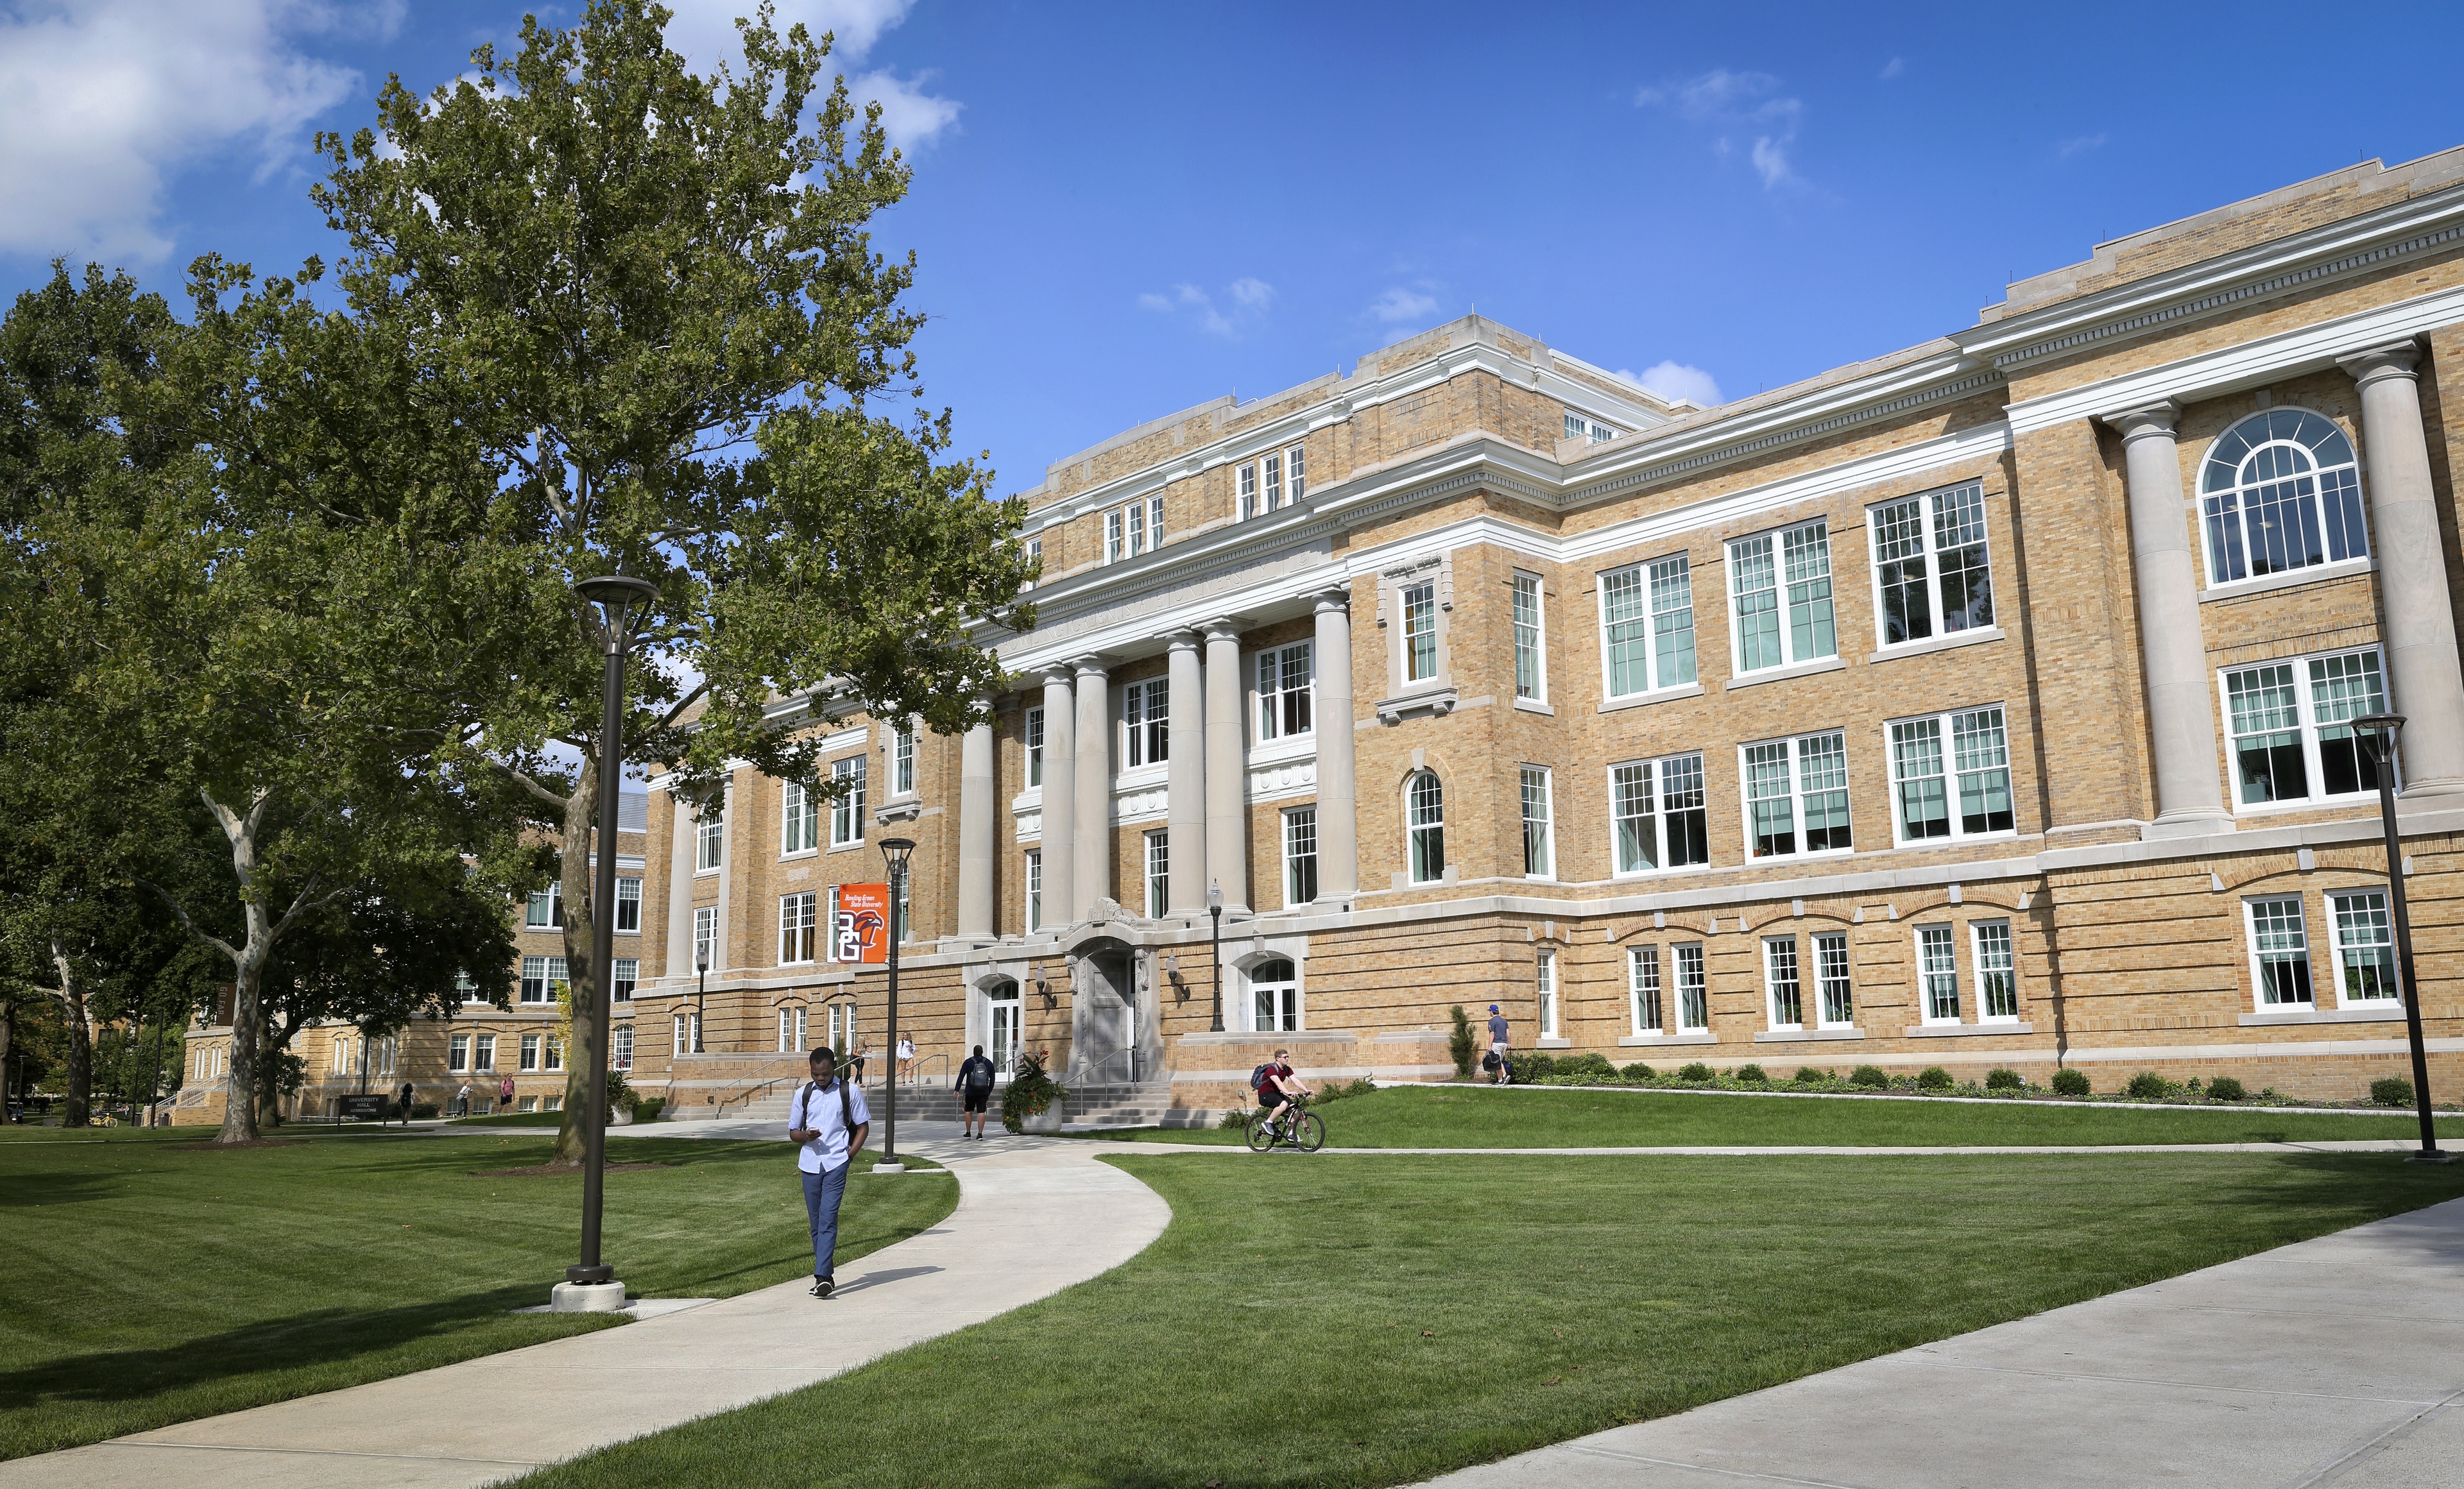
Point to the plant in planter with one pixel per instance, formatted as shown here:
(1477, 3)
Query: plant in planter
(1032, 1103)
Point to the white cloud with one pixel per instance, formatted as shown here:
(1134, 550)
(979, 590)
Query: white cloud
(1676, 381)
(1250, 297)
(1894, 67)
(1402, 304)
(2079, 145)
(1747, 111)
(1253, 294)
(704, 31)
(101, 100)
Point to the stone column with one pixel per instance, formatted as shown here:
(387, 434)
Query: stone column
(1227, 794)
(1060, 798)
(2424, 681)
(722, 941)
(1185, 780)
(2180, 694)
(1338, 840)
(1092, 828)
(680, 878)
(976, 812)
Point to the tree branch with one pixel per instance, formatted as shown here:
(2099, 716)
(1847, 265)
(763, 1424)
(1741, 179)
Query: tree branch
(182, 911)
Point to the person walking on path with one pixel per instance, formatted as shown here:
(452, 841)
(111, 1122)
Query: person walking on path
(862, 1053)
(505, 1095)
(828, 1123)
(906, 1058)
(975, 1088)
(462, 1101)
(1499, 1047)
(405, 1104)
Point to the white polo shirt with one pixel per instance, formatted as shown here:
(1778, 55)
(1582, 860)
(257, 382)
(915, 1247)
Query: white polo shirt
(818, 1108)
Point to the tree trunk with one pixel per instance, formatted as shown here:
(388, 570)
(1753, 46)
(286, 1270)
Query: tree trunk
(574, 876)
(81, 1111)
(8, 1039)
(248, 979)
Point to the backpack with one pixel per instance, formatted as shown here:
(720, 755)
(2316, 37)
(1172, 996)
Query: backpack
(1258, 1076)
(1489, 1062)
(979, 1075)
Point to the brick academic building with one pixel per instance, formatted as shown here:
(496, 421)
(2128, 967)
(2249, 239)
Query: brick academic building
(1983, 703)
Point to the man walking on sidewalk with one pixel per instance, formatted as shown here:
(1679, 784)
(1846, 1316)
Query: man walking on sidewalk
(975, 1088)
(828, 1123)
(1501, 1049)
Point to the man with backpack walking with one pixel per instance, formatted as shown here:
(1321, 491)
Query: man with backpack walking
(1499, 1049)
(975, 1088)
(828, 1123)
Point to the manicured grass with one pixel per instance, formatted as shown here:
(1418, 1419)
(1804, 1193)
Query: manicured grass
(1373, 1321)
(150, 1283)
(1473, 1116)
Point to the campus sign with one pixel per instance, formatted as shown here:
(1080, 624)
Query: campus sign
(862, 933)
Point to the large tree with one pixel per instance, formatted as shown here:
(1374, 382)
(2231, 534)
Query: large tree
(652, 298)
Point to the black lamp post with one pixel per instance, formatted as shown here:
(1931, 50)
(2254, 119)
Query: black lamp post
(896, 851)
(620, 600)
(2380, 730)
(1215, 913)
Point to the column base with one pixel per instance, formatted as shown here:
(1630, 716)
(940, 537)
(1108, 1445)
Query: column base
(2449, 787)
(2187, 825)
(586, 1297)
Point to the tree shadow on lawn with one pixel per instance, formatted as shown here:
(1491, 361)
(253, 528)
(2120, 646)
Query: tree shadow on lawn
(33, 1191)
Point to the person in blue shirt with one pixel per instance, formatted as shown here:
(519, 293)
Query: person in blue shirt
(827, 1120)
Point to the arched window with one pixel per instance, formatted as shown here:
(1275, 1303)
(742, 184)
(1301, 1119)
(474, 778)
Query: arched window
(1274, 996)
(1006, 1014)
(2281, 492)
(1425, 814)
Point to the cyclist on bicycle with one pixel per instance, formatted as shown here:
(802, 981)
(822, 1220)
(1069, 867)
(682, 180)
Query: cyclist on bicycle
(1277, 1086)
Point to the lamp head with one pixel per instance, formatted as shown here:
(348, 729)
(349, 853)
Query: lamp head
(620, 601)
(2381, 729)
(896, 850)
(1215, 898)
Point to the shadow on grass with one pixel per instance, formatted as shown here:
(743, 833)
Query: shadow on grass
(28, 1190)
(324, 1337)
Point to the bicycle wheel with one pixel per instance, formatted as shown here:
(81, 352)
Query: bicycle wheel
(1309, 1133)
(1261, 1135)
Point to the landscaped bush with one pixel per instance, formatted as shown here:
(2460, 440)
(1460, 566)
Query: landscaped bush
(648, 1107)
(1870, 1077)
(1590, 1064)
(1031, 1093)
(1934, 1078)
(1807, 1075)
(1234, 1118)
(1529, 1067)
(1459, 1045)
(1753, 1075)
(1697, 1071)
(2393, 1091)
(2224, 1088)
(2070, 1083)
(1637, 1071)
(2147, 1087)
(1337, 1090)
(422, 1108)
(2000, 1080)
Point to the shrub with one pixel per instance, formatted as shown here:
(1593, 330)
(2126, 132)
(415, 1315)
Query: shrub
(1031, 1093)
(1529, 1067)
(1234, 1119)
(1459, 1045)
(1337, 1090)
(2224, 1088)
(2145, 1087)
(422, 1109)
(2000, 1080)
(1807, 1075)
(1697, 1071)
(2070, 1083)
(1933, 1077)
(2393, 1091)
(1870, 1077)
(1590, 1063)
(1752, 1075)
(648, 1107)
(1637, 1071)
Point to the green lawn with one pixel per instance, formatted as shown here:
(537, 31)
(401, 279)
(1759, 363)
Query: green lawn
(1543, 1116)
(1373, 1321)
(150, 1283)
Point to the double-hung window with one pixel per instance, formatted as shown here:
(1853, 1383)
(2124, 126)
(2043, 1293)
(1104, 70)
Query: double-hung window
(1424, 819)
(1531, 662)
(2279, 491)
(1997, 974)
(1544, 984)
(620, 1053)
(457, 1053)
(1779, 592)
(1300, 855)
(2365, 952)
(551, 1053)
(1783, 988)
(902, 760)
(1248, 480)
(1271, 471)
(1579, 428)
(1133, 530)
(1419, 603)
(1647, 627)
(1831, 981)
(2291, 722)
(543, 978)
(1796, 796)
(705, 932)
(1284, 678)
(1159, 873)
(627, 971)
(2279, 951)
(1656, 817)
(483, 1052)
(1296, 467)
(1146, 717)
(1035, 889)
(1693, 990)
(1539, 848)
(847, 808)
(799, 819)
(1034, 749)
(709, 842)
(1936, 975)
(798, 936)
(530, 1052)
(1961, 791)
(628, 906)
(1931, 571)
(546, 909)
(1642, 988)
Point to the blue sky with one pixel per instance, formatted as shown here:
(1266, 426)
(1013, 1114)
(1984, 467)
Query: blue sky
(1121, 210)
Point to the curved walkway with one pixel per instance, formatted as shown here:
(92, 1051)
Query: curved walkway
(493, 1417)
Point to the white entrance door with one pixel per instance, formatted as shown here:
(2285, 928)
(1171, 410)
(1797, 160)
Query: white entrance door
(1007, 1028)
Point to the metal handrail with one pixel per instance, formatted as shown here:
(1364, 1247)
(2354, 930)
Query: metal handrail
(921, 1061)
(754, 1093)
(1091, 1076)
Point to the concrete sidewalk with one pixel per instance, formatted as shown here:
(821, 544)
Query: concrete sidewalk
(2334, 1362)
(492, 1418)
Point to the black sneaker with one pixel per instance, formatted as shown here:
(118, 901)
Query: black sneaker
(822, 1286)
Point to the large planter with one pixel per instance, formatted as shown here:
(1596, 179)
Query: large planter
(1046, 1122)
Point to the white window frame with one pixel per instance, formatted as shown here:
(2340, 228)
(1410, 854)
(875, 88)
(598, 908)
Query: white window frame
(1115, 550)
(1033, 729)
(847, 807)
(1795, 750)
(1960, 503)
(1932, 979)
(1133, 530)
(1417, 603)
(799, 821)
(1245, 480)
(1034, 889)
(2221, 458)
(1783, 985)
(1580, 427)
(1138, 712)
(628, 906)
(705, 935)
(1649, 596)
(483, 1054)
(1529, 604)
(1270, 481)
(1645, 992)
(1299, 824)
(1158, 878)
(528, 1057)
(626, 976)
(1281, 699)
(457, 1054)
(1690, 976)
(1415, 861)
(544, 910)
(2257, 957)
(2306, 726)
(1288, 1012)
(1661, 790)
(1295, 474)
(551, 1053)
(1832, 966)
(2378, 938)
(710, 842)
(1540, 830)
(902, 758)
(1780, 547)
(620, 1053)
(1946, 731)
(688, 1033)
(1982, 954)
(799, 933)
(1545, 991)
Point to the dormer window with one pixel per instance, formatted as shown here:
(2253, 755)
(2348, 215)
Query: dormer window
(1580, 428)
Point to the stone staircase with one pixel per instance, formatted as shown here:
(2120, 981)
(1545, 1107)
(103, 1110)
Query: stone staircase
(916, 1104)
(1147, 1103)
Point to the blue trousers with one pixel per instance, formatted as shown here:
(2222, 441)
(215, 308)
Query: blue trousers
(823, 1192)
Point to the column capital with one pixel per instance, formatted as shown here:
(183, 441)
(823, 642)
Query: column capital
(2147, 419)
(1058, 675)
(1189, 637)
(1336, 598)
(1092, 664)
(1223, 627)
(2396, 360)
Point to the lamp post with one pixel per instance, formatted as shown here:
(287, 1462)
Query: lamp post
(896, 851)
(2380, 730)
(590, 1284)
(1215, 913)
(701, 990)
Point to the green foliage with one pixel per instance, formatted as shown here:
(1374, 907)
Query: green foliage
(2224, 1088)
(1808, 1075)
(648, 1107)
(1637, 1071)
(2000, 1079)
(1459, 1044)
(1030, 1093)
(2391, 1091)
(1694, 1070)
(1235, 1119)
(2070, 1081)
(1750, 1075)
(1870, 1077)
(2147, 1086)
(1337, 1090)
(1532, 1067)
(1934, 1078)
(1589, 1065)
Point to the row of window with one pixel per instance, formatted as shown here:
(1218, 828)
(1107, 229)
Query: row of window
(537, 1052)
(380, 1055)
(545, 911)
(811, 929)
(2363, 950)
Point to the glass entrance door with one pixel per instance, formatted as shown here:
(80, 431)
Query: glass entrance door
(1008, 1023)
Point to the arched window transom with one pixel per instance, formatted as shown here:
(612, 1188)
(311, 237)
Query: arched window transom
(1274, 996)
(1424, 814)
(2279, 491)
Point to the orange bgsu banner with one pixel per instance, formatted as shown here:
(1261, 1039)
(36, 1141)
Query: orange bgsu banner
(863, 931)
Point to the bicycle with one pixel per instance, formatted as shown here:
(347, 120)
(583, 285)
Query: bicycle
(1294, 1125)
